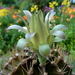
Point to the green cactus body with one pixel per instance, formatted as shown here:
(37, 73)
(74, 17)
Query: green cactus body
(22, 64)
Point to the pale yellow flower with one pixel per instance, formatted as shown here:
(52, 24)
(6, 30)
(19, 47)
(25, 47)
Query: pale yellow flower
(0, 51)
(20, 36)
(0, 23)
(55, 3)
(34, 8)
(19, 10)
(66, 2)
(11, 24)
(51, 6)
(68, 19)
(1, 3)
(50, 3)
(3, 12)
(56, 17)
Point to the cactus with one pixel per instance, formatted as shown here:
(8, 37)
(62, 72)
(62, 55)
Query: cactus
(34, 53)
(25, 63)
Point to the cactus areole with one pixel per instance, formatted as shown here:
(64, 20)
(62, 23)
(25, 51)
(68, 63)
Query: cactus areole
(38, 36)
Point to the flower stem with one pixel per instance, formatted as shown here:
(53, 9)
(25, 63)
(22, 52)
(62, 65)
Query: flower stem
(24, 22)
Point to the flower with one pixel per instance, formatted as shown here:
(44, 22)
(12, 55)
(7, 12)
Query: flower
(0, 23)
(12, 7)
(66, 3)
(46, 9)
(34, 8)
(20, 36)
(67, 19)
(71, 16)
(1, 7)
(14, 16)
(73, 9)
(0, 2)
(25, 17)
(19, 10)
(38, 35)
(11, 23)
(3, 12)
(0, 51)
(56, 17)
(42, 34)
(53, 4)
(61, 6)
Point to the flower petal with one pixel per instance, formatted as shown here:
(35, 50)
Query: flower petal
(44, 50)
(21, 44)
(50, 39)
(49, 16)
(16, 27)
(26, 30)
(52, 13)
(29, 35)
(60, 26)
(41, 15)
(59, 34)
(57, 39)
(28, 14)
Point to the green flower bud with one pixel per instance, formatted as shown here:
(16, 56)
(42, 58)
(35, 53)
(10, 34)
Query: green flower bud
(44, 50)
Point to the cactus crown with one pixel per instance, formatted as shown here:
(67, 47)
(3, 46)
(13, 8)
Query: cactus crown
(38, 35)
